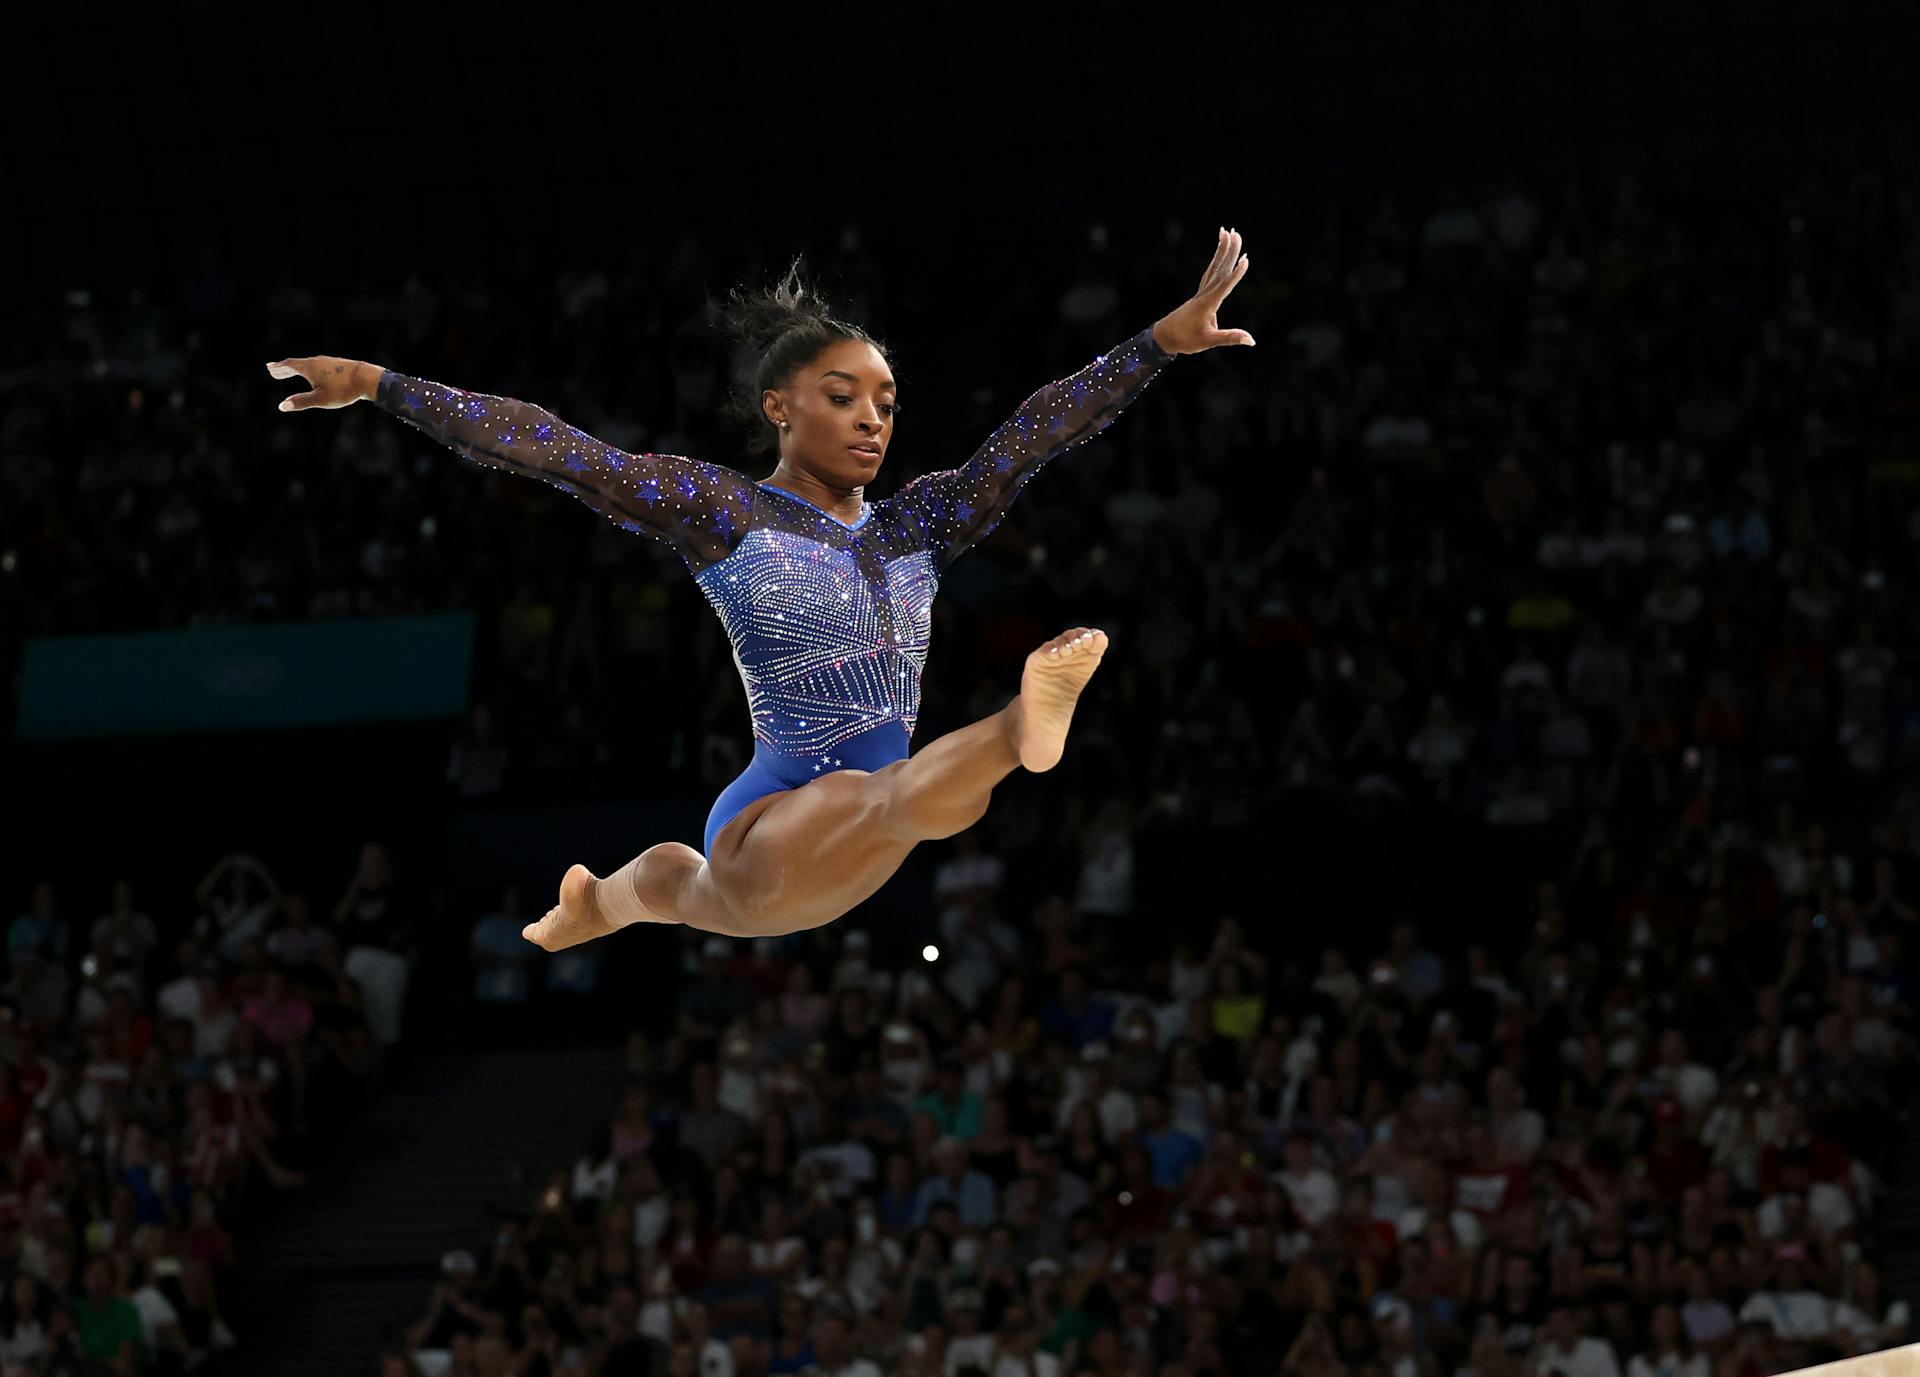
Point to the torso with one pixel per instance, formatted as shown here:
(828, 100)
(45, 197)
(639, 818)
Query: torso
(830, 622)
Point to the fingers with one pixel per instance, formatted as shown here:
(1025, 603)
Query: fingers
(1214, 263)
(1232, 281)
(1220, 270)
(290, 368)
(1230, 276)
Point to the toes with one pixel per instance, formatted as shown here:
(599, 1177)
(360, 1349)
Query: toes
(1072, 642)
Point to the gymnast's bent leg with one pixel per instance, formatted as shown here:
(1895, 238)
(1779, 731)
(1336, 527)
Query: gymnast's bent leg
(802, 858)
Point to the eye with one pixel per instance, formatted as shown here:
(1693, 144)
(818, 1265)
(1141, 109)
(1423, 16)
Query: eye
(886, 408)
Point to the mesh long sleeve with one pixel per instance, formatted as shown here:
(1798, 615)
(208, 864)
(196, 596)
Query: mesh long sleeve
(955, 507)
(700, 509)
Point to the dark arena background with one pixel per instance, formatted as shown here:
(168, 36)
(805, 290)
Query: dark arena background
(1473, 927)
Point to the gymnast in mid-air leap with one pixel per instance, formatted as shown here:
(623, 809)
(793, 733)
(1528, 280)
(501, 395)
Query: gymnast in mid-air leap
(826, 597)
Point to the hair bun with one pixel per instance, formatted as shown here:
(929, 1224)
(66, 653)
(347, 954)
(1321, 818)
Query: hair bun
(760, 318)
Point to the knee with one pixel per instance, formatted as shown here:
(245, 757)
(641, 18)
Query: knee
(738, 905)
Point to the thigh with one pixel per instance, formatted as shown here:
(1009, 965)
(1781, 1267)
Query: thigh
(802, 858)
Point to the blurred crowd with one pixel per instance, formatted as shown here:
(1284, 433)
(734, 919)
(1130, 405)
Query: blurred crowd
(1581, 517)
(161, 1074)
(1647, 1147)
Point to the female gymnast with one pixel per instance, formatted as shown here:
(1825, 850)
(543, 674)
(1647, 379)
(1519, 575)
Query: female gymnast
(825, 596)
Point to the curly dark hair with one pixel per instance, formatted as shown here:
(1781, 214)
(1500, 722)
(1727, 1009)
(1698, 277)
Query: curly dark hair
(788, 325)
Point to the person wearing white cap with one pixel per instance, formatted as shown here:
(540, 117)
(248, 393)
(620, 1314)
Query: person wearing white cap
(452, 1309)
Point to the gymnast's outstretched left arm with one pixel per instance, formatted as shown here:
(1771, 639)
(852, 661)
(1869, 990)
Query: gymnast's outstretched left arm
(955, 507)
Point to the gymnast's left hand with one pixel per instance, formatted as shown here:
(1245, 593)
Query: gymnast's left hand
(1193, 328)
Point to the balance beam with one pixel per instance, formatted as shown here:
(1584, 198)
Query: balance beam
(1889, 1362)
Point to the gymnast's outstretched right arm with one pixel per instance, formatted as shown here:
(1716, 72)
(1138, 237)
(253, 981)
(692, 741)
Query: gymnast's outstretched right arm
(700, 509)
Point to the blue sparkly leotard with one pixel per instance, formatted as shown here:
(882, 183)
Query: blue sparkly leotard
(829, 620)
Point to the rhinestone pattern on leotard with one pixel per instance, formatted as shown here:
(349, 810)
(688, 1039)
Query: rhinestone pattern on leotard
(830, 621)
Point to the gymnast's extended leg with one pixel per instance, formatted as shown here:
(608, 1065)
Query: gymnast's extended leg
(802, 858)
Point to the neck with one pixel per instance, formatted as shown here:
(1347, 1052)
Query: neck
(841, 502)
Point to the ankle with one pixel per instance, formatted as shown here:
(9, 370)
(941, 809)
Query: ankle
(605, 896)
(1011, 718)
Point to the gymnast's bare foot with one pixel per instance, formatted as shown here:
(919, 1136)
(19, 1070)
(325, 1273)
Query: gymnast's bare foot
(580, 916)
(1049, 688)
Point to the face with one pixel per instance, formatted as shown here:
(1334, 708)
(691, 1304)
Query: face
(846, 396)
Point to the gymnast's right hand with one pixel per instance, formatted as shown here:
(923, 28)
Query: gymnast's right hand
(336, 382)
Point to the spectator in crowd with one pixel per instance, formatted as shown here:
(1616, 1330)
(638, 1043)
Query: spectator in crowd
(136, 1117)
(240, 911)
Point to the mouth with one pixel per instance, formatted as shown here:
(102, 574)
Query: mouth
(866, 447)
